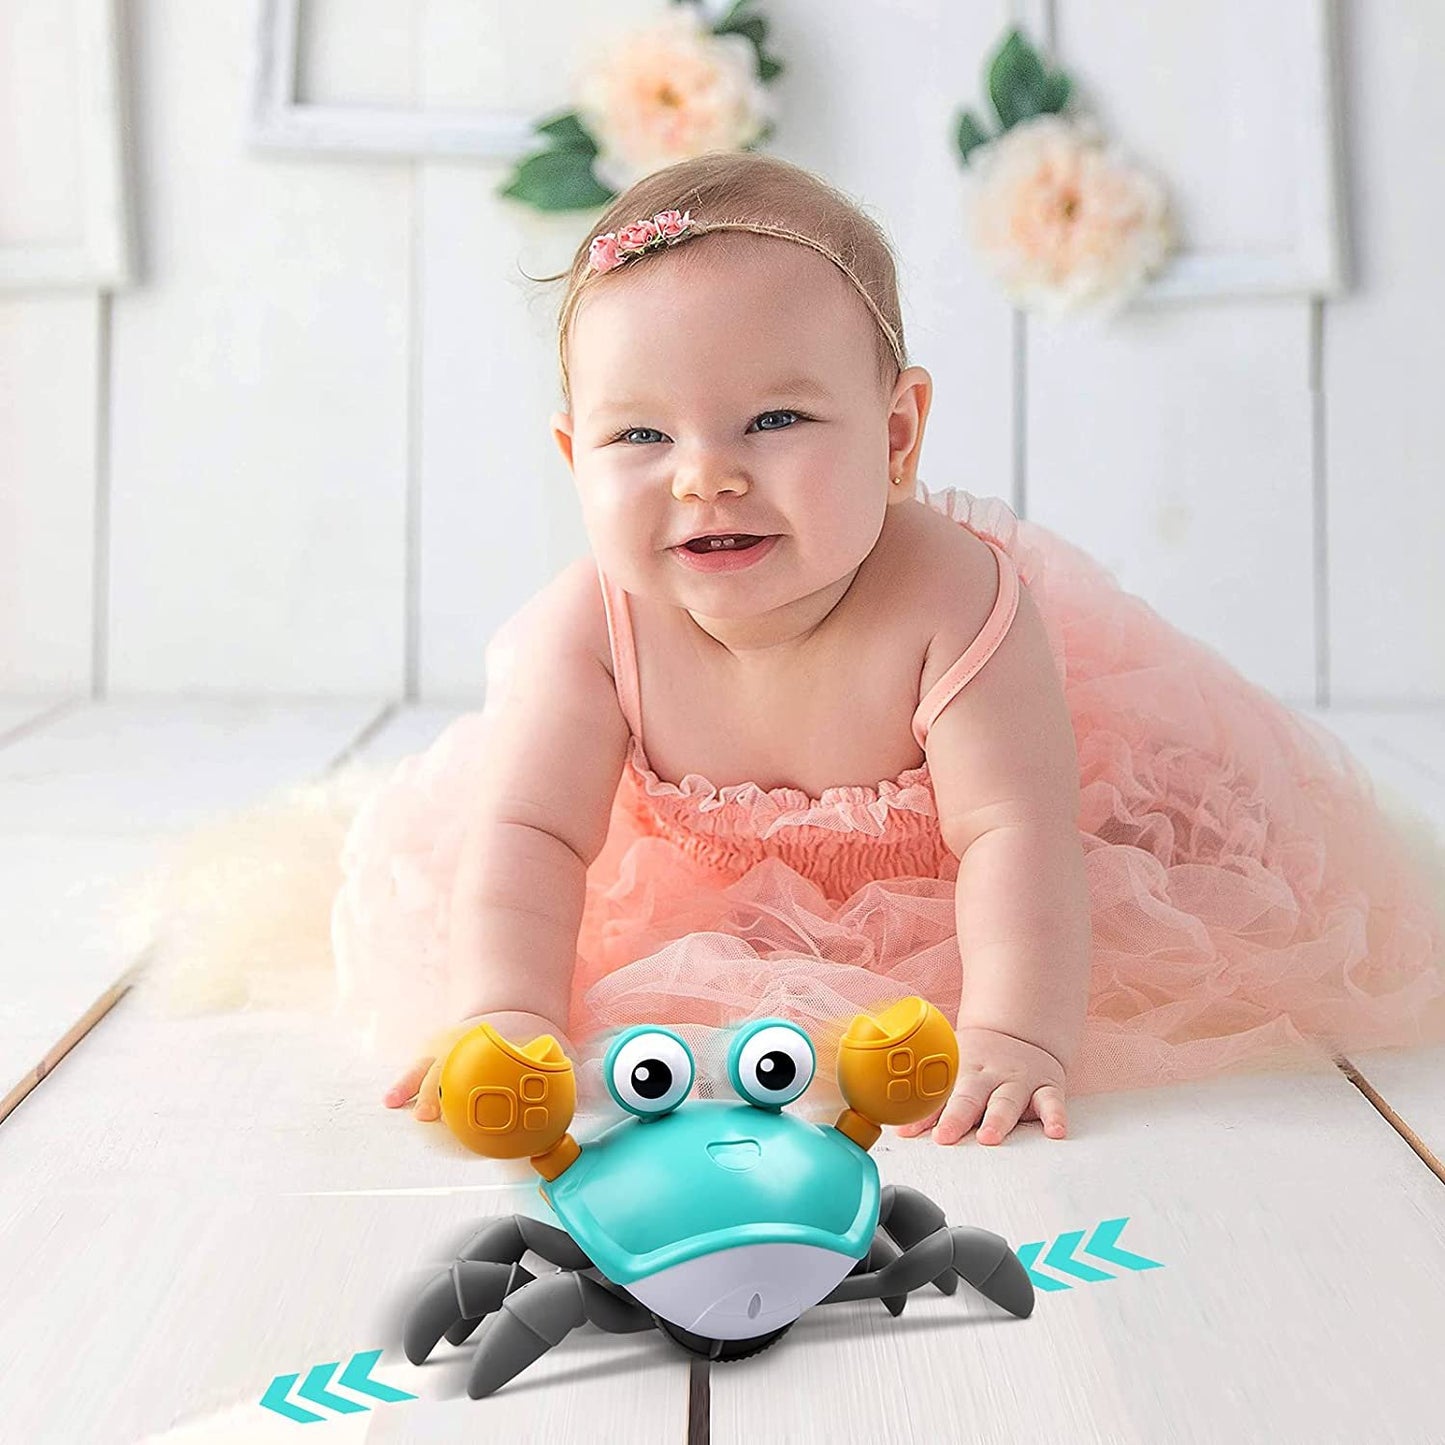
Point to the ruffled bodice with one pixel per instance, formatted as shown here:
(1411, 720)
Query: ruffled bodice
(841, 840)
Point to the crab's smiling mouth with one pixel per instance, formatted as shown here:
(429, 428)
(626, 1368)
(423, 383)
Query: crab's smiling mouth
(735, 1154)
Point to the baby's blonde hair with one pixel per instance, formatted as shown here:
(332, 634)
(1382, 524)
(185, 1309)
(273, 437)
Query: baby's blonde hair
(748, 188)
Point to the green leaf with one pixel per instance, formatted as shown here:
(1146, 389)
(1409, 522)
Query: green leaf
(754, 27)
(971, 134)
(557, 180)
(568, 133)
(1019, 84)
(1013, 79)
(1056, 93)
(733, 14)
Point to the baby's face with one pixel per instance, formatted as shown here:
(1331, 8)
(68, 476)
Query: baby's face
(735, 390)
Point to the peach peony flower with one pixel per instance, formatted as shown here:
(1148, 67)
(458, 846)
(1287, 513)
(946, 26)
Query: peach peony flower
(670, 92)
(1063, 223)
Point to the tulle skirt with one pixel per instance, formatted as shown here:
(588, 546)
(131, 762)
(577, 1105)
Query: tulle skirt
(1253, 905)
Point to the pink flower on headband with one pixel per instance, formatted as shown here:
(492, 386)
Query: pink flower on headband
(611, 250)
(604, 256)
(637, 235)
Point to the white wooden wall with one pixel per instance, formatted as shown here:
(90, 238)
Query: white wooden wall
(308, 452)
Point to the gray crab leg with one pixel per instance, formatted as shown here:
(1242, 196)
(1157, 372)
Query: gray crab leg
(509, 1238)
(909, 1216)
(506, 1240)
(881, 1251)
(540, 1315)
(983, 1259)
(455, 1302)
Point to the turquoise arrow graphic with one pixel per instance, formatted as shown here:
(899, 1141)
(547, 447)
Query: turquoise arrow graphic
(275, 1399)
(354, 1377)
(1102, 1245)
(1059, 1254)
(1027, 1253)
(313, 1388)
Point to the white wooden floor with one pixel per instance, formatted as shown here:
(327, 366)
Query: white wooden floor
(192, 1208)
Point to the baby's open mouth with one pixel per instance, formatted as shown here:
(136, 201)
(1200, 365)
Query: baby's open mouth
(737, 542)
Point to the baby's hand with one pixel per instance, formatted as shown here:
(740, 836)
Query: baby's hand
(419, 1082)
(1003, 1079)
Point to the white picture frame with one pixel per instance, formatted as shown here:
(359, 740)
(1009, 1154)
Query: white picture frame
(102, 258)
(1314, 266)
(280, 121)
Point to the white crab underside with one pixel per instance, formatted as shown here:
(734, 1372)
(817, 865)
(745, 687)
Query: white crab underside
(744, 1291)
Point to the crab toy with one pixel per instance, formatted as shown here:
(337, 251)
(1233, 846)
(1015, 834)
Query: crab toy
(718, 1223)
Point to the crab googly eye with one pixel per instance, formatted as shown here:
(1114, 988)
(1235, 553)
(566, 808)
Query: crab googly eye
(649, 1071)
(771, 1062)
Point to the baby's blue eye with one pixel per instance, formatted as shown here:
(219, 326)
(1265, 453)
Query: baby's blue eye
(650, 434)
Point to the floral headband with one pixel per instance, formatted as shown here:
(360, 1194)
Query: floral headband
(668, 228)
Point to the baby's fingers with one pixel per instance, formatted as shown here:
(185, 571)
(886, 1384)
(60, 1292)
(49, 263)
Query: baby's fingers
(428, 1106)
(1049, 1104)
(404, 1090)
(919, 1126)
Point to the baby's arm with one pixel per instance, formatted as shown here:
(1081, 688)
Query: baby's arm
(1005, 770)
(555, 753)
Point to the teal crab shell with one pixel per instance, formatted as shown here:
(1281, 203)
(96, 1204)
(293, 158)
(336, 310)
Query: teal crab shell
(709, 1176)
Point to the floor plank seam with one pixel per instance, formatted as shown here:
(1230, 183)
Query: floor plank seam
(1427, 1157)
(699, 1402)
(112, 995)
(44, 719)
(381, 720)
(72, 1036)
(1392, 749)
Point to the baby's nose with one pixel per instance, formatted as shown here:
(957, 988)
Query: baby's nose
(706, 480)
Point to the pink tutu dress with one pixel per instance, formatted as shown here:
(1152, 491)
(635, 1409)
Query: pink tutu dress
(1252, 907)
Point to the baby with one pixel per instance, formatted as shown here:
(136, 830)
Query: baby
(733, 368)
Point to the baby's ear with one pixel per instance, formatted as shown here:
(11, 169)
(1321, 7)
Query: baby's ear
(562, 432)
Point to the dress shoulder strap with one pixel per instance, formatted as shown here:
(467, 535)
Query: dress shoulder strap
(624, 651)
(978, 652)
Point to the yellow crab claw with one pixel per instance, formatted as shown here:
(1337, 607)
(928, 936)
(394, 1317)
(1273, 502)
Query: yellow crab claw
(894, 1068)
(511, 1101)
